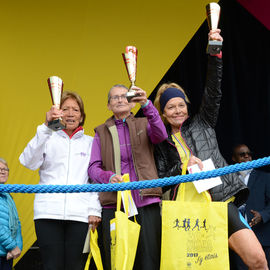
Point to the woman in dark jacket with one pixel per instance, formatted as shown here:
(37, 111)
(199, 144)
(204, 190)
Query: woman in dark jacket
(193, 139)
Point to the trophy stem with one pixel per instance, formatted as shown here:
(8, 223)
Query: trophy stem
(56, 88)
(132, 84)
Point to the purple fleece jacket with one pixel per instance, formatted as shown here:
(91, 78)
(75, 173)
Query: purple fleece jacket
(156, 132)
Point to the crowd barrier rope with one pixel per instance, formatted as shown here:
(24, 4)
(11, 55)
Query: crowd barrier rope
(166, 181)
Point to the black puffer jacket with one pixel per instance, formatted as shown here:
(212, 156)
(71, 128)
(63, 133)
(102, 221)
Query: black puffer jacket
(199, 135)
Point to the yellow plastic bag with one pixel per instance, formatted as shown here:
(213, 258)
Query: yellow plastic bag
(194, 233)
(94, 251)
(124, 235)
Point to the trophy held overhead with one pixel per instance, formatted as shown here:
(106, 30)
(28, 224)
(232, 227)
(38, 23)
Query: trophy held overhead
(130, 59)
(213, 13)
(56, 89)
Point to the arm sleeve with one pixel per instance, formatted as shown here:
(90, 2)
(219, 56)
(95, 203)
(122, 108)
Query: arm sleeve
(163, 168)
(6, 239)
(95, 206)
(155, 128)
(212, 94)
(19, 240)
(33, 155)
(95, 170)
(162, 165)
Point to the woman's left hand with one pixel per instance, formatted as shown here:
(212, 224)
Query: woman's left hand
(141, 98)
(94, 221)
(194, 160)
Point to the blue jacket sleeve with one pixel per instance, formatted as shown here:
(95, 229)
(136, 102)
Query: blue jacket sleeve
(6, 239)
(19, 240)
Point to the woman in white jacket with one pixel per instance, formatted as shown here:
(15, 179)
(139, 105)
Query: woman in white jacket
(61, 220)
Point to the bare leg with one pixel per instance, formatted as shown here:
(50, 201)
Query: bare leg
(245, 243)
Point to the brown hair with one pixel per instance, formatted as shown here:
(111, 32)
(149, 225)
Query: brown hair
(161, 90)
(68, 94)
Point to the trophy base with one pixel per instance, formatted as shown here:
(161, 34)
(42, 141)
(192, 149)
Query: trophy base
(131, 94)
(214, 46)
(56, 125)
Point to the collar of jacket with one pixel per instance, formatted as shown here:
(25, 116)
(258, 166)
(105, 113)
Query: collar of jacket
(79, 132)
(111, 121)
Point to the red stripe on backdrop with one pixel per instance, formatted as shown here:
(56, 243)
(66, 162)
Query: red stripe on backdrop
(260, 9)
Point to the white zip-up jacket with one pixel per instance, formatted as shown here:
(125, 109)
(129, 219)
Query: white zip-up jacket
(61, 161)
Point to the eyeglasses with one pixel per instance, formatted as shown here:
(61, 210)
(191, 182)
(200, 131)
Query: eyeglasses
(243, 154)
(5, 170)
(116, 97)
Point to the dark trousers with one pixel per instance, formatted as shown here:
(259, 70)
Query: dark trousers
(267, 254)
(148, 250)
(5, 264)
(61, 244)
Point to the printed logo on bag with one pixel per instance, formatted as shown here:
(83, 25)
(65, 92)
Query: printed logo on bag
(187, 224)
(200, 235)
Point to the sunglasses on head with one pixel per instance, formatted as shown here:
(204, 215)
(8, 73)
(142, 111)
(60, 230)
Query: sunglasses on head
(243, 154)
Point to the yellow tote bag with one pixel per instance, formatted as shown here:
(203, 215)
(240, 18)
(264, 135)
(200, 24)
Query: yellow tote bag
(94, 251)
(124, 236)
(194, 233)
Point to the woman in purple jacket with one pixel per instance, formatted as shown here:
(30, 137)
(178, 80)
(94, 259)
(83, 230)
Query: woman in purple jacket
(135, 138)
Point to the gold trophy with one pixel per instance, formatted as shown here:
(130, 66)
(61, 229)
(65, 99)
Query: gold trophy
(213, 13)
(130, 59)
(56, 89)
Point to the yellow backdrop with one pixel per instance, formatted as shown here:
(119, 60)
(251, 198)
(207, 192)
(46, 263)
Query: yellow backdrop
(81, 42)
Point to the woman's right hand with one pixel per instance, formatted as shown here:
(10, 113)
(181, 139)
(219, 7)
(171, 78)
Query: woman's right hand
(194, 160)
(215, 35)
(116, 179)
(53, 113)
(94, 221)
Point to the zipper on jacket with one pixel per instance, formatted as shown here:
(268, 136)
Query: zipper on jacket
(65, 200)
(126, 146)
(133, 160)
(135, 169)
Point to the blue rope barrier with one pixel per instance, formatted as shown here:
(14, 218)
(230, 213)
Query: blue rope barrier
(167, 181)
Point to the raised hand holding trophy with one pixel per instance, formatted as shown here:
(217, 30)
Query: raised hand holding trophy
(130, 59)
(56, 89)
(213, 13)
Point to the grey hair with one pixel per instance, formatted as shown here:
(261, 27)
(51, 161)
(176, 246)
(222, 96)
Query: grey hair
(116, 85)
(3, 161)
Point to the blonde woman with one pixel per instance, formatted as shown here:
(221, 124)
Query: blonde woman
(192, 139)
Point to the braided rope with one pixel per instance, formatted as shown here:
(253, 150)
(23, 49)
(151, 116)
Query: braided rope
(167, 181)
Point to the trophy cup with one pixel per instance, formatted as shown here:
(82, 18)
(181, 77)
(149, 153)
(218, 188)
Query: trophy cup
(56, 89)
(212, 13)
(130, 59)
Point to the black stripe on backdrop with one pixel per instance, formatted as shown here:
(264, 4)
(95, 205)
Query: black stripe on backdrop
(245, 108)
